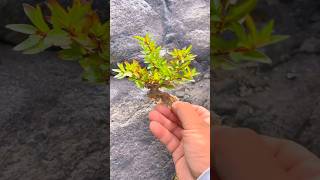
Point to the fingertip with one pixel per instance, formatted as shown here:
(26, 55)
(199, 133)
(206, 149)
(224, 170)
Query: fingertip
(155, 127)
(167, 112)
(178, 105)
(153, 115)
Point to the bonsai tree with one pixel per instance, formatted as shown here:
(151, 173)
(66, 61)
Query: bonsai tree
(235, 39)
(77, 31)
(160, 72)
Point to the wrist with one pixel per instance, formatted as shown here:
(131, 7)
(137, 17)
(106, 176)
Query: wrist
(205, 175)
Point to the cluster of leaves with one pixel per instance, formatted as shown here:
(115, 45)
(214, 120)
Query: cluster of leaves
(159, 71)
(235, 38)
(77, 30)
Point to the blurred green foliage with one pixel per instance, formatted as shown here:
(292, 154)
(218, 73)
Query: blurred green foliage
(160, 71)
(235, 38)
(77, 30)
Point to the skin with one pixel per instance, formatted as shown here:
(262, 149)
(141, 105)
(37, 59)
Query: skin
(239, 154)
(185, 130)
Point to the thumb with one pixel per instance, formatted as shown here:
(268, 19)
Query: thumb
(188, 116)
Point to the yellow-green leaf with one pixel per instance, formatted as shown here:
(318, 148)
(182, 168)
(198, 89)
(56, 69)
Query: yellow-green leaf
(36, 17)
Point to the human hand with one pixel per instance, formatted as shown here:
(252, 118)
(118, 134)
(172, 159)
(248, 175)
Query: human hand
(185, 130)
(242, 154)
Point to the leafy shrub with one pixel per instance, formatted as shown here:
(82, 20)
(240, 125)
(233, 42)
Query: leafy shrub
(160, 71)
(77, 30)
(235, 38)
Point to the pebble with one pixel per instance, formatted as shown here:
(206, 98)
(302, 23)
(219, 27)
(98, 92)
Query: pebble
(291, 76)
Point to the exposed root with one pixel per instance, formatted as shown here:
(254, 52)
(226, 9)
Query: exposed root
(162, 97)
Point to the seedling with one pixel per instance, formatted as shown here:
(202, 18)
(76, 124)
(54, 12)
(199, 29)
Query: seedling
(77, 30)
(235, 39)
(160, 71)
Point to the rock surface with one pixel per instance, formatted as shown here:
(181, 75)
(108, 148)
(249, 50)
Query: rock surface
(12, 10)
(52, 125)
(135, 153)
(174, 23)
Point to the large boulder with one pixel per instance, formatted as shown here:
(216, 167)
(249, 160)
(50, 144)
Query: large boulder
(174, 23)
(11, 12)
(134, 152)
(52, 125)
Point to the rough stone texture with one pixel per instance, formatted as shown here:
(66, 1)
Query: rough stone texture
(52, 125)
(174, 23)
(282, 99)
(11, 12)
(129, 18)
(135, 153)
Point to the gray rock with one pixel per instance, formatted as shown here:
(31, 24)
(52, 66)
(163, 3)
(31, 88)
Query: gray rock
(311, 45)
(130, 18)
(174, 24)
(52, 124)
(12, 10)
(292, 76)
(135, 153)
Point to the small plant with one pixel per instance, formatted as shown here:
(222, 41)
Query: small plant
(160, 71)
(77, 30)
(235, 38)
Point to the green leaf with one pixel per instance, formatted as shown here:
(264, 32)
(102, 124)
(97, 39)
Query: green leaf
(139, 84)
(119, 76)
(219, 43)
(92, 71)
(116, 70)
(251, 27)
(139, 38)
(78, 13)
(266, 31)
(22, 28)
(31, 41)
(238, 30)
(41, 46)
(36, 17)
(240, 10)
(59, 38)
(215, 18)
(121, 67)
(59, 16)
(250, 56)
(74, 53)
(85, 41)
(277, 38)
(223, 63)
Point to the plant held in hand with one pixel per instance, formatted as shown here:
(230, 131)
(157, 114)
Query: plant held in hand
(160, 72)
(235, 38)
(77, 30)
